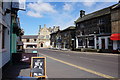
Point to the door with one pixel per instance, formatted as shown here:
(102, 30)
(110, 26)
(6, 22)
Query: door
(103, 43)
(86, 43)
(41, 44)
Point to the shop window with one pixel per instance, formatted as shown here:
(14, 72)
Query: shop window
(118, 44)
(91, 42)
(31, 46)
(35, 40)
(28, 40)
(80, 42)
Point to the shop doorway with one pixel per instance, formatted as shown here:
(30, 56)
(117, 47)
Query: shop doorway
(103, 43)
(86, 43)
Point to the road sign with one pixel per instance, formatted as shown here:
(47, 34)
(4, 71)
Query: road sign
(38, 67)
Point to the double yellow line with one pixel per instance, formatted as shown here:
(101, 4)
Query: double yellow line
(81, 68)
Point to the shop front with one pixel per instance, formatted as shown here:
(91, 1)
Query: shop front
(116, 40)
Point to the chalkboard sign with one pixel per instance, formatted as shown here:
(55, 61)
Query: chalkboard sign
(38, 67)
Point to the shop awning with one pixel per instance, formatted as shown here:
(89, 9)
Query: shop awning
(115, 36)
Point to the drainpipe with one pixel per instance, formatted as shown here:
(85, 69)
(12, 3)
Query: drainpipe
(76, 42)
(95, 42)
(11, 36)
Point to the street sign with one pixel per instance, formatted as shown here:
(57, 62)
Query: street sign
(38, 67)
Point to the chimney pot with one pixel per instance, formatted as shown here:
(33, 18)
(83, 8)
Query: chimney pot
(44, 25)
(39, 26)
(82, 13)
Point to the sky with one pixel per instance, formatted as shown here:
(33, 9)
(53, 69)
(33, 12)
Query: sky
(61, 14)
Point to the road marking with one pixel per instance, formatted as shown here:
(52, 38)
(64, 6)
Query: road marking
(79, 67)
(67, 54)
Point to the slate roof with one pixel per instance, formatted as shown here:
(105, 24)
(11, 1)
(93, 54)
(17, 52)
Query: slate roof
(29, 36)
(69, 28)
(116, 6)
(96, 14)
(55, 32)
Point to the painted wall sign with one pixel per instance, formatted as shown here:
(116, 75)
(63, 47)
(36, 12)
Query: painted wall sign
(38, 67)
(26, 57)
(19, 4)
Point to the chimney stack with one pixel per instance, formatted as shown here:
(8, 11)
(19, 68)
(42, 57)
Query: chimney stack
(39, 27)
(44, 25)
(82, 13)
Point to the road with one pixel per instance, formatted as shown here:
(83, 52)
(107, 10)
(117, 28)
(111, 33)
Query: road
(68, 64)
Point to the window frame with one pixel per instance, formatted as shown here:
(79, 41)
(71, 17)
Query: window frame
(27, 40)
(3, 36)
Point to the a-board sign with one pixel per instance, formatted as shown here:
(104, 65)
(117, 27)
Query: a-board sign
(38, 67)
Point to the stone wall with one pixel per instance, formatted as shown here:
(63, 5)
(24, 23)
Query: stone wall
(115, 18)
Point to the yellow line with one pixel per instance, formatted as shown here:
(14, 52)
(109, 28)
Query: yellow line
(82, 68)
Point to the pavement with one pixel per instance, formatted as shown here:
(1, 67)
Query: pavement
(83, 66)
(84, 52)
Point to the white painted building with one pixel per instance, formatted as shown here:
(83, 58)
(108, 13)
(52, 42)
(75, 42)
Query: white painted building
(5, 23)
(29, 41)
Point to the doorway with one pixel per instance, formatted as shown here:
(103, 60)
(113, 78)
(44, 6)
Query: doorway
(86, 43)
(41, 45)
(103, 43)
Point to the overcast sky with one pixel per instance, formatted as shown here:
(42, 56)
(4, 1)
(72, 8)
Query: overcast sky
(61, 14)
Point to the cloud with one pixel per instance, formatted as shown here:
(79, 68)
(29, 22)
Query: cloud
(34, 14)
(89, 3)
(37, 9)
(67, 7)
(64, 19)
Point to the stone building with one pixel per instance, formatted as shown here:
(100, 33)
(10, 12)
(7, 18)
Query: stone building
(63, 39)
(42, 40)
(115, 18)
(53, 39)
(93, 30)
(68, 38)
(54, 29)
(29, 41)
